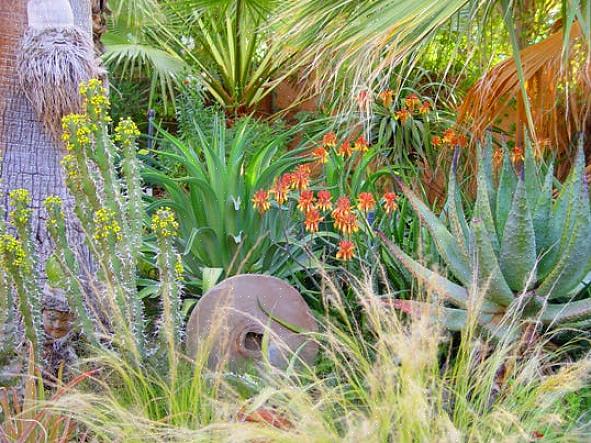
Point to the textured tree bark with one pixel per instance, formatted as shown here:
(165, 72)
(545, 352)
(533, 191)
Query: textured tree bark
(30, 159)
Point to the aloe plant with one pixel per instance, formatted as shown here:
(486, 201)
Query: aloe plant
(523, 255)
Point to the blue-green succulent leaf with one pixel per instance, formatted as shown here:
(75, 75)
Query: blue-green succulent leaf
(447, 246)
(440, 285)
(518, 249)
(541, 213)
(572, 265)
(507, 183)
(490, 277)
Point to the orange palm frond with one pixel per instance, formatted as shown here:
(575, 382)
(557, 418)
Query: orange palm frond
(555, 89)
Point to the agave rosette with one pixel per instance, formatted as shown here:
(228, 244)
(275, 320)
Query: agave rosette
(524, 254)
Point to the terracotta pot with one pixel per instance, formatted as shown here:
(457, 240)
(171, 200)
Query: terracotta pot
(231, 320)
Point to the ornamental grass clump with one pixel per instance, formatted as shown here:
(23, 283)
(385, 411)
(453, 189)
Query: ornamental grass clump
(525, 252)
(377, 380)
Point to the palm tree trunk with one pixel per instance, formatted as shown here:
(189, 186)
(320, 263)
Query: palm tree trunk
(30, 156)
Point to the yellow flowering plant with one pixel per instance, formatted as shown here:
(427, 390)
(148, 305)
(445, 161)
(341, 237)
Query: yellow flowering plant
(102, 173)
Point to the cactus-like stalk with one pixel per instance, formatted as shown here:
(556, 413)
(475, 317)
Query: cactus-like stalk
(170, 269)
(110, 209)
(528, 254)
(17, 259)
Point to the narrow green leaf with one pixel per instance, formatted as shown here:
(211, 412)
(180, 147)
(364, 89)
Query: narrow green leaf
(541, 216)
(530, 172)
(566, 312)
(455, 211)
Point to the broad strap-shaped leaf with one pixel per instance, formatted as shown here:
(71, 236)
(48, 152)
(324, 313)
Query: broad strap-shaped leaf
(490, 277)
(446, 244)
(543, 208)
(482, 207)
(518, 247)
(507, 183)
(572, 265)
(455, 211)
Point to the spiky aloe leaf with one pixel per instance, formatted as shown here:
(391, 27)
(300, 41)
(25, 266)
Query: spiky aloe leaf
(518, 248)
(482, 207)
(557, 313)
(455, 211)
(490, 277)
(452, 292)
(452, 319)
(446, 244)
(541, 214)
(562, 221)
(507, 183)
(532, 180)
(486, 162)
(571, 267)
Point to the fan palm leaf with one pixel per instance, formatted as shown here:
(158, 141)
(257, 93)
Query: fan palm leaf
(552, 68)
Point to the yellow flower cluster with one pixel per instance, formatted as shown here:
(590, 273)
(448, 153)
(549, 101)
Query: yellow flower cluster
(21, 199)
(12, 251)
(53, 201)
(106, 226)
(69, 165)
(164, 223)
(53, 204)
(77, 130)
(126, 132)
(20, 196)
(95, 98)
(93, 85)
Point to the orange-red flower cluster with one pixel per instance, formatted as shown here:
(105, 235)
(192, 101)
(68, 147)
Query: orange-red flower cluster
(329, 140)
(306, 201)
(345, 219)
(366, 202)
(261, 201)
(345, 149)
(450, 138)
(412, 102)
(312, 220)
(321, 154)
(281, 188)
(425, 108)
(361, 144)
(390, 202)
(346, 250)
(403, 115)
(386, 97)
(324, 200)
(300, 178)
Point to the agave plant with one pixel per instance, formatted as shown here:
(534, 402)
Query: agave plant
(523, 255)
